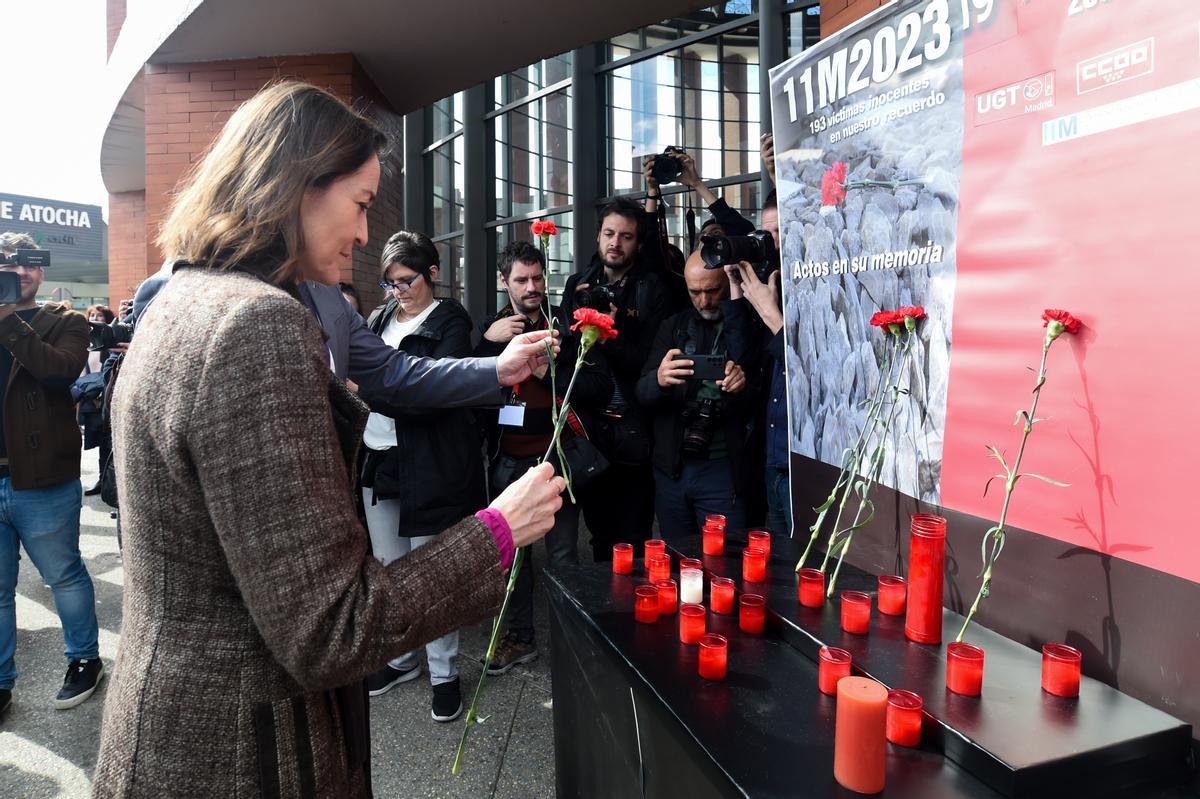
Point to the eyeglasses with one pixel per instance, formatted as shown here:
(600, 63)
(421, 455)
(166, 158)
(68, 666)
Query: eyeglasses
(402, 285)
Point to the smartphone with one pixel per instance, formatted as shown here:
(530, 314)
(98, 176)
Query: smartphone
(10, 287)
(705, 367)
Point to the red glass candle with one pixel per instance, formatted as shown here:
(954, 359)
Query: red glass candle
(691, 623)
(904, 718)
(964, 669)
(714, 650)
(892, 590)
(832, 665)
(622, 559)
(760, 539)
(754, 565)
(856, 612)
(715, 520)
(714, 541)
(659, 567)
(691, 563)
(1060, 669)
(645, 604)
(720, 595)
(860, 744)
(812, 588)
(668, 597)
(752, 613)
(926, 562)
(655, 546)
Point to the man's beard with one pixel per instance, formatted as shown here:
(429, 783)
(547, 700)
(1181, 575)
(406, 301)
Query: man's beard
(620, 264)
(527, 305)
(710, 316)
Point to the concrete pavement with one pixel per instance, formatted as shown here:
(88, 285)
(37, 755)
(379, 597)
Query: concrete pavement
(51, 753)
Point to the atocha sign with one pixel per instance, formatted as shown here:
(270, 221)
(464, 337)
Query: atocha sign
(74, 232)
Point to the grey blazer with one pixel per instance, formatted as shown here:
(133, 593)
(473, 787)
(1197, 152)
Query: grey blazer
(250, 594)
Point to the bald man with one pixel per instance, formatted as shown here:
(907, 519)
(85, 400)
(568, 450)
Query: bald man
(700, 425)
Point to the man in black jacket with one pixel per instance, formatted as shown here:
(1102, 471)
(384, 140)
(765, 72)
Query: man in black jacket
(700, 426)
(520, 433)
(626, 279)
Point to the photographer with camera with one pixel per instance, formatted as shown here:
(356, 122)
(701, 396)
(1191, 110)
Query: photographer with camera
(42, 351)
(627, 282)
(696, 391)
(675, 164)
(755, 308)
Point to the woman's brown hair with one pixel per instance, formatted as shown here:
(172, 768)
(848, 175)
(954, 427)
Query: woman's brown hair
(240, 205)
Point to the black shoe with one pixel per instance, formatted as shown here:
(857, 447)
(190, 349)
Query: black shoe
(80, 683)
(511, 651)
(447, 701)
(5, 699)
(93, 491)
(387, 678)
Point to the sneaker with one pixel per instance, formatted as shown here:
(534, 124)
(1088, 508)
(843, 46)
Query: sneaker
(80, 683)
(447, 701)
(388, 678)
(511, 651)
(5, 699)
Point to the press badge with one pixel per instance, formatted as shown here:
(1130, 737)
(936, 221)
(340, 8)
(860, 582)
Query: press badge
(513, 414)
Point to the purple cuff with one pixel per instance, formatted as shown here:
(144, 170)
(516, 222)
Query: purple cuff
(501, 532)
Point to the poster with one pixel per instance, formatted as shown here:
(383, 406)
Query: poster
(1002, 157)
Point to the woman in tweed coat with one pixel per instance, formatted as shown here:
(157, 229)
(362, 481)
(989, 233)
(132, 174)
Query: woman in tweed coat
(252, 607)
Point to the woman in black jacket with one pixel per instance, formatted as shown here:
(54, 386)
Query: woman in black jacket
(423, 470)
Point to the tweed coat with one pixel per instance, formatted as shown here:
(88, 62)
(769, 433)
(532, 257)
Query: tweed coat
(252, 606)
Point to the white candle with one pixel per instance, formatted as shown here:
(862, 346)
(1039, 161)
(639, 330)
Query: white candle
(691, 586)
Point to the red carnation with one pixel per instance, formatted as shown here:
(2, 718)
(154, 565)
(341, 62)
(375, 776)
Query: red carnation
(1069, 323)
(596, 326)
(832, 192)
(549, 228)
(885, 318)
(538, 227)
(914, 311)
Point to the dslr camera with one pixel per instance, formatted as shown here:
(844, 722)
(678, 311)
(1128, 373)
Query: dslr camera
(598, 298)
(700, 420)
(667, 169)
(758, 248)
(106, 336)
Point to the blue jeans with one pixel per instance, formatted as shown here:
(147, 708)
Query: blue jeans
(702, 487)
(779, 502)
(46, 522)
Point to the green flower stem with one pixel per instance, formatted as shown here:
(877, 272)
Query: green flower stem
(1010, 483)
(849, 464)
(873, 471)
(885, 383)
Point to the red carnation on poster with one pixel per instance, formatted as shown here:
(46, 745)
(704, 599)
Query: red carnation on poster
(885, 318)
(912, 311)
(832, 192)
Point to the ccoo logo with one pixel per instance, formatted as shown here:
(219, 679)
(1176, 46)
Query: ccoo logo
(1115, 66)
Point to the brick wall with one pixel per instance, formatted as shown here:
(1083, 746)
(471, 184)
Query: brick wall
(837, 14)
(126, 244)
(186, 105)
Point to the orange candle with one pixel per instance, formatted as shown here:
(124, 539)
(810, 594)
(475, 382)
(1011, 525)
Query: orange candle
(720, 595)
(860, 743)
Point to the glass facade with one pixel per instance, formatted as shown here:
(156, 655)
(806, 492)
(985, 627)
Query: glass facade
(693, 81)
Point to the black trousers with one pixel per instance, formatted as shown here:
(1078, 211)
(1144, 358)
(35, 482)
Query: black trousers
(619, 507)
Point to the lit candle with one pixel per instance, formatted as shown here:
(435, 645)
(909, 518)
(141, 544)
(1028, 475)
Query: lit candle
(691, 623)
(645, 604)
(760, 539)
(904, 718)
(926, 563)
(832, 665)
(720, 593)
(812, 588)
(964, 669)
(891, 594)
(860, 748)
(715, 520)
(714, 541)
(1060, 669)
(668, 597)
(652, 547)
(754, 565)
(713, 652)
(622, 559)
(856, 612)
(660, 567)
(752, 613)
(691, 585)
